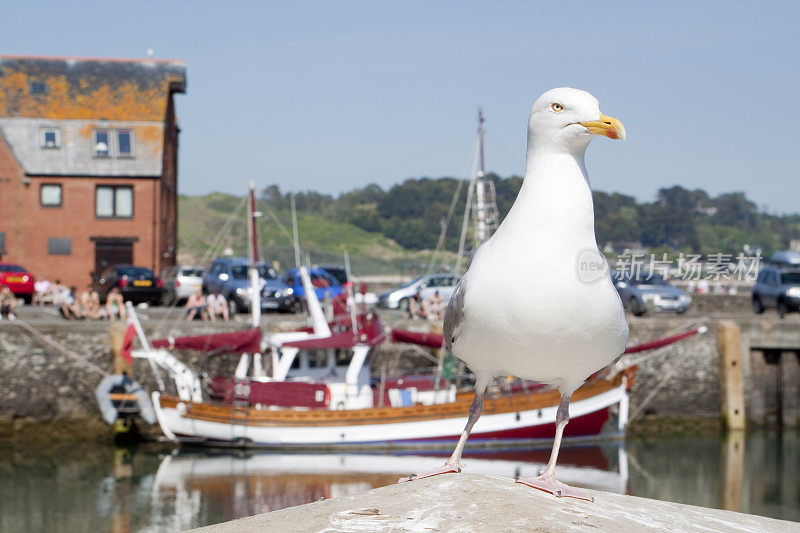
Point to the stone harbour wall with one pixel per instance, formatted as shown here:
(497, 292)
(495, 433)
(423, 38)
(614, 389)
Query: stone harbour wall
(41, 384)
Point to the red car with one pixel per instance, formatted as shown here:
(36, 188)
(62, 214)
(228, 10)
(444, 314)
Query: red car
(19, 280)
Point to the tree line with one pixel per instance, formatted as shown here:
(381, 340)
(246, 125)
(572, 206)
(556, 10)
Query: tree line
(412, 213)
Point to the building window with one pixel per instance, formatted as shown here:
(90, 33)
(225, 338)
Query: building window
(50, 195)
(2, 240)
(125, 143)
(58, 246)
(38, 87)
(51, 138)
(114, 201)
(100, 142)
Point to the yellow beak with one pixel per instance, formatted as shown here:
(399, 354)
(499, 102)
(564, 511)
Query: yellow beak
(607, 126)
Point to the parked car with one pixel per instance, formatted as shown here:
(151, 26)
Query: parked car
(321, 279)
(337, 271)
(788, 258)
(180, 282)
(425, 285)
(777, 288)
(137, 284)
(641, 291)
(228, 275)
(18, 280)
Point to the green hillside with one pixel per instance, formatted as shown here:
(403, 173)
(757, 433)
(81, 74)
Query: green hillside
(394, 230)
(203, 235)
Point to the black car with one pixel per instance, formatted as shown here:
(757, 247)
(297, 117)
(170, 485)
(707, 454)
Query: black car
(337, 271)
(137, 284)
(778, 288)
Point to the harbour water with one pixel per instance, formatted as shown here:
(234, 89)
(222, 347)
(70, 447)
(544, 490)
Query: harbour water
(157, 488)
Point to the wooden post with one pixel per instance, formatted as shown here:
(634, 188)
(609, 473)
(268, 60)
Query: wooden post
(731, 380)
(117, 336)
(790, 390)
(772, 383)
(758, 388)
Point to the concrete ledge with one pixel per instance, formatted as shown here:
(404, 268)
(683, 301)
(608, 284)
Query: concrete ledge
(471, 502)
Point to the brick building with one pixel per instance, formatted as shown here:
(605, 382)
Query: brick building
(88, 164)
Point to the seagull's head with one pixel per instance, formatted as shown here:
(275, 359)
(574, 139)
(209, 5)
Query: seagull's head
(567, 119)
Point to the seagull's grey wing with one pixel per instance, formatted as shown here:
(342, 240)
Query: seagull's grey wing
(454, 315)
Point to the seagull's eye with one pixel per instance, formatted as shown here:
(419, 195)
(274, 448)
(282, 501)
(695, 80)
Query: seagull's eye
(557, 107)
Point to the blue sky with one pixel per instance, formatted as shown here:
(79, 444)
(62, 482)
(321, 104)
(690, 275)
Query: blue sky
(333, 95)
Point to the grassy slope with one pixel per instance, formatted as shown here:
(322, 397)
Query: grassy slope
(201, 218)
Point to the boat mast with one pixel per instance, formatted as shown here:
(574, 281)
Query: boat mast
(480, 206)
(255, 297)
(485, 209)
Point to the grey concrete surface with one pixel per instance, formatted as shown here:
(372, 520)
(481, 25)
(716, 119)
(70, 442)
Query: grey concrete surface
(470, 502)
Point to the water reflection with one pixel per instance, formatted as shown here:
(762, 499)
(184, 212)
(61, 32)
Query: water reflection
(190, 482)
(160, 489)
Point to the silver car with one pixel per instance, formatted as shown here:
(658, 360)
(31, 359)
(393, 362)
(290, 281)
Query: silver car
(643, 291)
(425, 285)
(180, 282)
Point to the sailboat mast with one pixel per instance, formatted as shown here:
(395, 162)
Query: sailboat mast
(481, 231)
(255, 288)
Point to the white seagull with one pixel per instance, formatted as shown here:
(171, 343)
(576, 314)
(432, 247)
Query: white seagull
(524, 307)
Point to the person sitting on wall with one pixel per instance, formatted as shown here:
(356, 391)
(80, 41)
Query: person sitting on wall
(196, 305)
(217, 305)
(93, 309)
(115, 305)
(8, 303)
(42, 292)
(436, 307)
(417, 308)
(69, 307)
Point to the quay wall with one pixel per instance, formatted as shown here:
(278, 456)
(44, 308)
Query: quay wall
(41, 384)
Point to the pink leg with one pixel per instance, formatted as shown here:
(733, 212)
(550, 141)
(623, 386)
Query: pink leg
(547, 481)
(454, 464)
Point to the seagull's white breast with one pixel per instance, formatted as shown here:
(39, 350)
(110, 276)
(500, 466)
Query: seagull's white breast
(527, 312)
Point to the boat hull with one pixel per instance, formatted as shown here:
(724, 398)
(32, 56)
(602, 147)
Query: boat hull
(521, 417)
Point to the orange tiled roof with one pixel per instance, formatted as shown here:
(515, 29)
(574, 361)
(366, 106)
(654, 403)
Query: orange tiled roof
(83, 88)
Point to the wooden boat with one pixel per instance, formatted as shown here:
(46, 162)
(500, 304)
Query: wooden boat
(515, 417)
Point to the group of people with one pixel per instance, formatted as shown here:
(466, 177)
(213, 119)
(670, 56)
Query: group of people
(86, 305)
(207, 307)
(69, 302)
(432, 309)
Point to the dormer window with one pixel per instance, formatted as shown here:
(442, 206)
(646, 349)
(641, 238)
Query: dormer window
(51, 138)
(100, 141)
(38, 87)
(117, 143)
(124, 143)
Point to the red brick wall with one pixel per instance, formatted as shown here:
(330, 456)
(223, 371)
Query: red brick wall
(11, 197)
(76, 219)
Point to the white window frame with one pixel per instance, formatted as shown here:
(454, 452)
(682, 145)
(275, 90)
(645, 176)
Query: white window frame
(132, 154)
(60, 195)
(57, 132)
(110, 153)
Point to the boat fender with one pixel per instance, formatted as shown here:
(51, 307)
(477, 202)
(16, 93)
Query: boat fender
(103, 395)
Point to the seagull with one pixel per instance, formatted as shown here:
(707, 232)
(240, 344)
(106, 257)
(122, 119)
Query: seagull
(525, 307)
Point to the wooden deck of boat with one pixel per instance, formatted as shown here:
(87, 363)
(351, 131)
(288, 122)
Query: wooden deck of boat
(384, 415)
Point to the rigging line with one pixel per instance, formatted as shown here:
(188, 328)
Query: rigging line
(465, 221)
(204, 262)
(464, 173)
(69, 353)
(514, 156)
(280, 225)
(675, 365)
